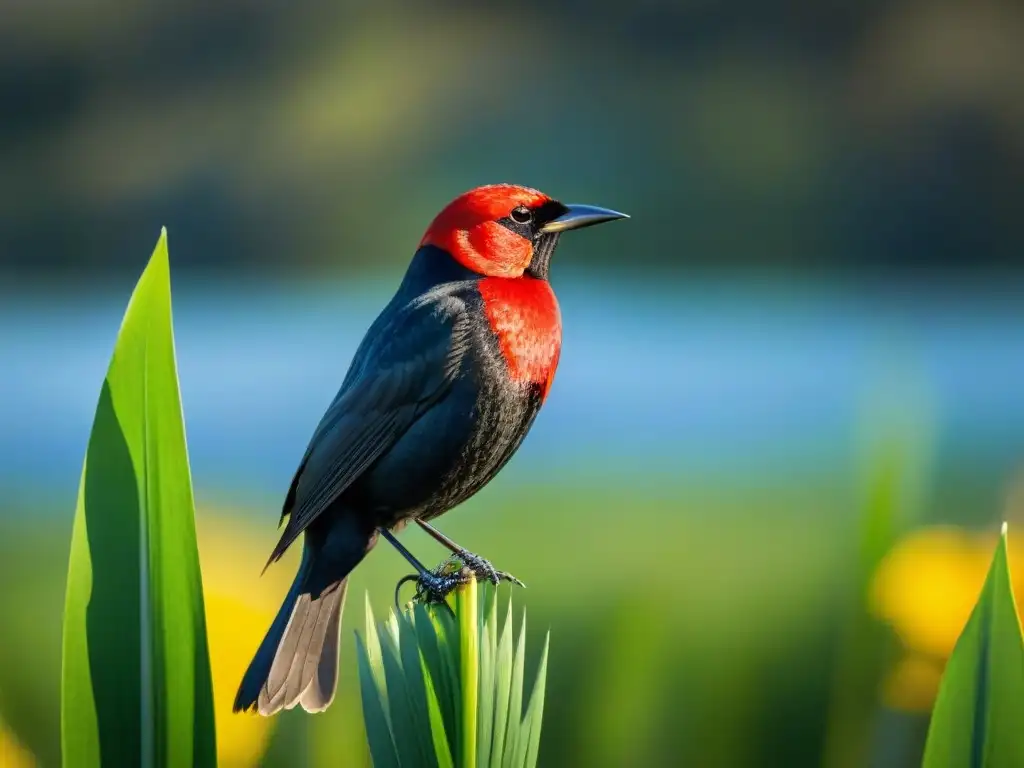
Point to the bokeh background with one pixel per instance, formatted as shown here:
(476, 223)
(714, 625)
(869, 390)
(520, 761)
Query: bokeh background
(789, 414)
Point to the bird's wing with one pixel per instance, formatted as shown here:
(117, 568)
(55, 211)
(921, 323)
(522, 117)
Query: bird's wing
(406, 366)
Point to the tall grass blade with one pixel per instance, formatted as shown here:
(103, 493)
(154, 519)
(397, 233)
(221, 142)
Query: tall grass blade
(136, 686)
(371, 643)
(535, 712)
(403, 718)
(378, 730)
(485, 708)
(503, 675)
(469, 669)
(416, 688)
(515, 702)
(442, 749)
(980, 707)
(444, 687)
(447, 628)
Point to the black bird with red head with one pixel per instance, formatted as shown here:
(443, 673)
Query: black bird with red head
(439, 395)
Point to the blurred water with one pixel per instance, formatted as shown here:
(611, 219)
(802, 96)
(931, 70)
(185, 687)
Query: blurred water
(744, 378)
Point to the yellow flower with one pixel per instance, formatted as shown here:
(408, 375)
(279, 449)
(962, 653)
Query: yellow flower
(928, 584)
(239, 608)
(926, 588)
(12, 754)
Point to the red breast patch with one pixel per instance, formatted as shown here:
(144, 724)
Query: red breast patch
(524, 314)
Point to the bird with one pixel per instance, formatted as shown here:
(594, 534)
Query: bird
(439, 395)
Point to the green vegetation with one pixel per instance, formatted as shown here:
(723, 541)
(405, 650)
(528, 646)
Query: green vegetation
(444, 688)
(136, 686)
(136, 681)
(978, 714)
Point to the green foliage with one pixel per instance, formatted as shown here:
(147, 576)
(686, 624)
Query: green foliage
(443, 691)
(979, 712)
(136, 686)
(898, 448)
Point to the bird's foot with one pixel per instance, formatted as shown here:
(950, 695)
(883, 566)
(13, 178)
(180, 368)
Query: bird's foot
(435, 586)
(484, 571)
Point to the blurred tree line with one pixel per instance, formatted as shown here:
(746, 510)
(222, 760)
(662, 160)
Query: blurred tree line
(801, 136)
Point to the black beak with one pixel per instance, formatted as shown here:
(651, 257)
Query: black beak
(579, 216)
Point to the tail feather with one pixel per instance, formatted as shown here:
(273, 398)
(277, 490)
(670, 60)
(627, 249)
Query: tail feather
(301, 652)
(297, 662)
(319, 694)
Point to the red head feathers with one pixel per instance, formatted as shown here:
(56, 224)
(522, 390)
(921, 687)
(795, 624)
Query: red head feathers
(468, 229)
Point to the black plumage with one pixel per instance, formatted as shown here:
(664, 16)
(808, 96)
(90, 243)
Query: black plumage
(439, 395)
(425, 417)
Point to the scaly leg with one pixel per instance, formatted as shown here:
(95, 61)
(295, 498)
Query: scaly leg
(434, 587)
(482, 568)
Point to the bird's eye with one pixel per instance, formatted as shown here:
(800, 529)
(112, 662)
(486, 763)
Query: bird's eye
(522, 214)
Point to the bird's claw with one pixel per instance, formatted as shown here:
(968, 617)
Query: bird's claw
(435, 586)
(484, 571)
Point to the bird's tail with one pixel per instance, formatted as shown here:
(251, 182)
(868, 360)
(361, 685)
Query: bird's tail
(297, 662)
